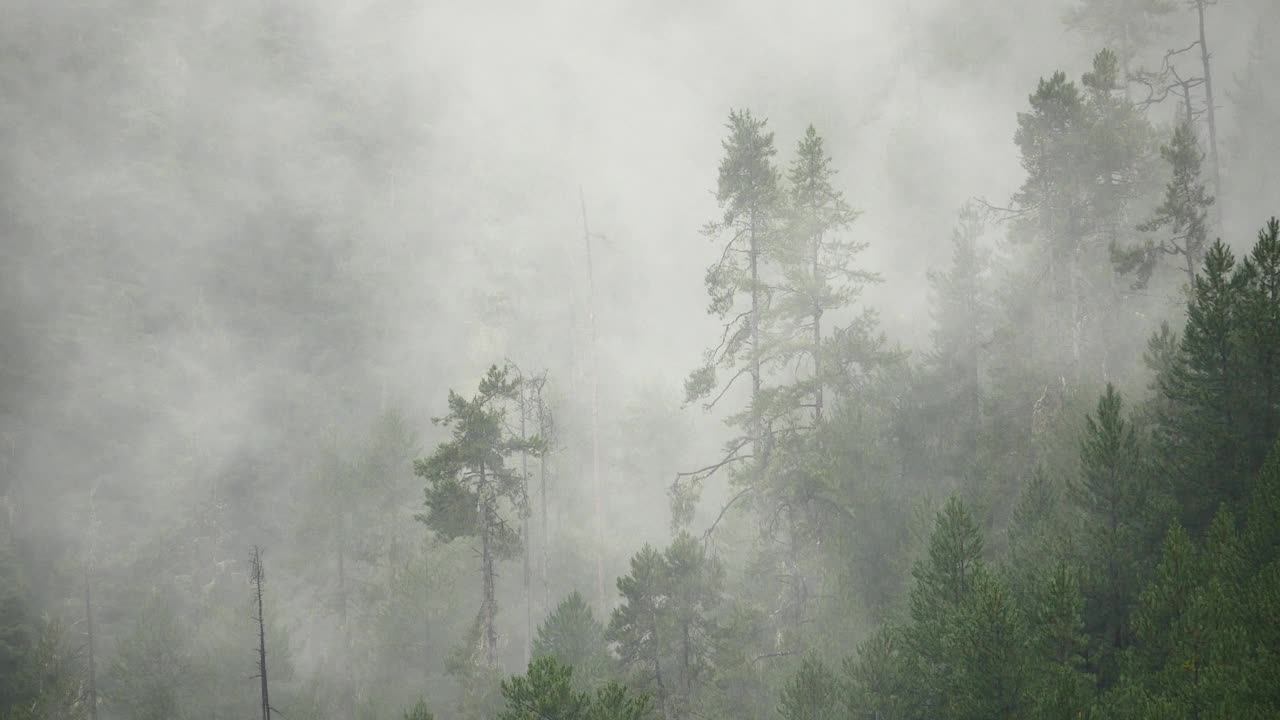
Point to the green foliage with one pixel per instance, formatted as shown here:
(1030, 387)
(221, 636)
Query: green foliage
(615, 702)
(148, 677)
(814, 693)
(547, 691)
(665, 628)
(55, 674)
(1219, 412)
(1061, 686)
(1184, 212)
(17, 633)
(573, 637)
(419, 712)
(1126, 25)
(1111, 495)
(880, 685)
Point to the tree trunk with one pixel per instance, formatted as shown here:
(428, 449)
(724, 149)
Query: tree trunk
(257, 577)
(596, 486)
(1210, 116)
(542, 493)
(756, 429)
(91, 690)
(342, 582)
(663, 702)
(488, 611)
(524, 531)
(817, 335)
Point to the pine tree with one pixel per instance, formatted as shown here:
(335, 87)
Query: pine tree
(749, 195)
(817, 361)
(989, 660)
(1184, 211)
(1129, 26)
(17, 631)
(813, 693)
(148, 675)
(880, 681)
(945, 580)
(1053, 204)
(1258, 328)
(815, 259)
(471, 488)
(637, 627)
(1062, 687)
(1198, 434)
(419, 712)
(954, 384)
(546, 691)
(1112, 497)
(1189, 642)
(573, 636)
(615, 702)
(664, 628)
(694, 583)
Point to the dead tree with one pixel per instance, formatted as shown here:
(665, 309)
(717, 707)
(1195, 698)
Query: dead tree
(546, 430)
(597, 491)
(257, 578)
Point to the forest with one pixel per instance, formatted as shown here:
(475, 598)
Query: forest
(394, 360)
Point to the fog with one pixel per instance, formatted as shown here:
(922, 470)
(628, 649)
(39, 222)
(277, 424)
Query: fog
(236, 235)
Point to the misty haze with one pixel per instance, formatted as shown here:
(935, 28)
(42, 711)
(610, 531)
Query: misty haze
(550, 360)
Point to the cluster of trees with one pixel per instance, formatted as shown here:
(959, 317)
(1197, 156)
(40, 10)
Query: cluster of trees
(1067, 505)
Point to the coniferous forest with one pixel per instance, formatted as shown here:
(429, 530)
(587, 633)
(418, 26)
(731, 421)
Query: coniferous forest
(640, 361)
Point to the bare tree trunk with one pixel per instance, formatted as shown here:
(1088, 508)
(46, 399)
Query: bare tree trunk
(754, 253)
(342, 582)
(257, 578)
(817, 336)
(663, 700)
(1210, 116)
(91, 690)
(524, 529)
(488, 609)
(597, 490)
(542, 500)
